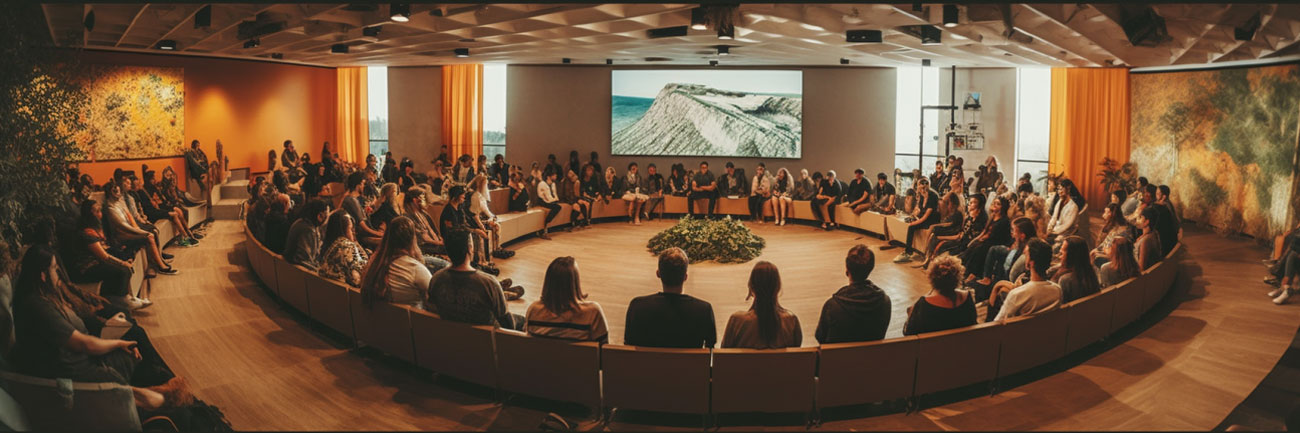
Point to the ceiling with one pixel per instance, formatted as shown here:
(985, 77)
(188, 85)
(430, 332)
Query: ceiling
(765, 34)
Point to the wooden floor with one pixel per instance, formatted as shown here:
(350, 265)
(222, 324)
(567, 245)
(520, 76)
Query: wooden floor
(268, 370)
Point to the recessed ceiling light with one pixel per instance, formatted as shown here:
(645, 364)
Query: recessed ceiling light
(400, 12)
(726, 32)
(724, 50)
(699, 18)
(167, 44)
(461, 52)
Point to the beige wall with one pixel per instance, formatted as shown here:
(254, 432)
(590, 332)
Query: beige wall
(415, 113)
(997, 88)
(848, 119)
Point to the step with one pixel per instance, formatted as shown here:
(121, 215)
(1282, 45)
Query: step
(239, 173)
(235, 189)
(227, 209)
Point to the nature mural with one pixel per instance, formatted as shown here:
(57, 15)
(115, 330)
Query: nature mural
(1223, 140)
(132, 112)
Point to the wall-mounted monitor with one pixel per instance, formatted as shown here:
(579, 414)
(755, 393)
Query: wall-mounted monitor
(702, 112)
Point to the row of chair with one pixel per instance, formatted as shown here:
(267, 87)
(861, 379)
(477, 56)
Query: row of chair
(712, 381)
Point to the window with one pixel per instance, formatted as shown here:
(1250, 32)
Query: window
(1033, 120)
(377, 103)
(916, 87)
(494, 110)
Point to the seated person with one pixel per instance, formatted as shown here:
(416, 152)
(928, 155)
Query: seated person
(53, 340)
(782, 191)
(396, 273)
(670, 318)
(926, 214)
(1148, 245)
(703, 187)
(945, 307)
(952, 215)
(123, 231)
(386, 208)
(765, 325)
(518, 194)
(93, 260)
(971, 226)
(859, 311)
(461, 293)
(563, 311)
(457, 217)
(806, 187)
(344, 259)
(732, 182)
(426, 236)
(276, 222)
(487, 221)
(828, 195)
(886, 195)
(1075, 275)
(634, 193)
(1039, 294)
(364, 233)
(1121, 266)
(302, 246)
(548, 197)
(859, 193)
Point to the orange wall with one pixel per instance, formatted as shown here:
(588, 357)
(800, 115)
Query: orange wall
(251, 106)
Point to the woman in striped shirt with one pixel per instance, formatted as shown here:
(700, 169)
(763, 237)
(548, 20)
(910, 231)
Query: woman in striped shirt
(563, 312)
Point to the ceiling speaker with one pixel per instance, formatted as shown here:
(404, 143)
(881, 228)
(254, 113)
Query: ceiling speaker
(1247, 30)
(869, 36)
(203, 18)
(1144, 28)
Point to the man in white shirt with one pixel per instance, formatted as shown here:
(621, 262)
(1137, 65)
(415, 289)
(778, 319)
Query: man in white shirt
(1039, 294)
(546, 192)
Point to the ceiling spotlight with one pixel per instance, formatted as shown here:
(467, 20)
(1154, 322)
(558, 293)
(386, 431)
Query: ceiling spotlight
(724, 50)
(950, 16)
(89, 21)
(844, 61)
(931, 35)
(713, 63)
(461, 52)
(699, 18)
(166, 44)
(609, 61)
(339, 48)
(566, 60)
(400, 12)
(277, 56)
(726, 31)
(252, 43)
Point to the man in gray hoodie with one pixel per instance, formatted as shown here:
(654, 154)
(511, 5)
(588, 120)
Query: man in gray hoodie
(859, 311)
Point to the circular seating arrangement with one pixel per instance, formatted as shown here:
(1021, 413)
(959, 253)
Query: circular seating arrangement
(712, 381)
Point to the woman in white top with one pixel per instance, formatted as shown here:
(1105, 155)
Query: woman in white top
(396, 272)
(1067, 211)
(546, 194)
(478, 206)
(632, 194)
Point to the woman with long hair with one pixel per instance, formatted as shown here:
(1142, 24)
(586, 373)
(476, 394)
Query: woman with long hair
(478, 206)
(396, 272)
(93, 260)
(945, 307)
(413, 206)
(996, 232)
(581, 203)
(344, 259)
(782, 191)
(563, 311)
(951, 217)
(592, 186)
(157, 207)
(955, 243)
(1147, 246)
(678, 183)
(126, 234)
(1122, 264)
(53, 340)
(1036, 211)
(1116, 227)
(765, 325)
(1076, 275)
(386, 208)
(1065, 217)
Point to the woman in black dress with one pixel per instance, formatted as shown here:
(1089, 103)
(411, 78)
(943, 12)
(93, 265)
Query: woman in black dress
(944, 307)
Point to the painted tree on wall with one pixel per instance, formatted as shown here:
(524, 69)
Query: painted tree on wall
(1224, 140)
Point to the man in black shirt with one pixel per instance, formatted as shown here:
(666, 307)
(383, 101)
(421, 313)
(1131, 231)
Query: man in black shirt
(1167, 224)
(828, 195)
(730, 184)
(595, 163)
(886, 195)
(289, 156)
(927, 214)
(653, 186)
(859, 196)
(859, 311)
(670, 318)
(703, 186)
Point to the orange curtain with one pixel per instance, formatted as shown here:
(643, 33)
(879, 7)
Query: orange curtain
(1089, 121)
(353, 133)
(462, 110)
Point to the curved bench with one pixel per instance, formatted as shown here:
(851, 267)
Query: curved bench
(710, 381)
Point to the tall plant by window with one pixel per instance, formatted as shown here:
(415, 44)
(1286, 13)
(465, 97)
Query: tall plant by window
(39, 107)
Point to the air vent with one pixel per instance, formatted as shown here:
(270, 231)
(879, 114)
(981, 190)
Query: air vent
(666, 32)
(658, 59)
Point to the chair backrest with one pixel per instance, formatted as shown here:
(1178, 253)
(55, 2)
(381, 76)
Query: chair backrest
(780, 380)
(384, 326)
(861, 373)
(49, 405)
(291, 284)
(327, 302)
(1128, 302)
(661, 380)
(1031, 341)
(455, 349)
(549, 368)
(957, 357)
(1089, 318)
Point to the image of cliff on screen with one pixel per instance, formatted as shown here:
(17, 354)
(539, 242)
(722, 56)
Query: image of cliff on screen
(749, 113)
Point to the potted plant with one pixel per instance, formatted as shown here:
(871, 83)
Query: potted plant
(1114, 176)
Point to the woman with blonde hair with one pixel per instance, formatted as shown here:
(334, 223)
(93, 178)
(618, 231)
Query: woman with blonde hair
(782, 191)
(563, 311)
(478, 206)
(632, 193)
(1036, 211)
(765, 325)
(386, 207)
(396, 272)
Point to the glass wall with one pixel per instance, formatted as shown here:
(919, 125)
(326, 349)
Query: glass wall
(377, 104)
(1033, 120)
(914, 148)
(494, 110)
